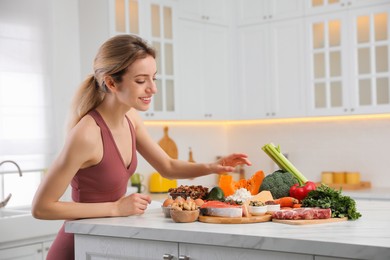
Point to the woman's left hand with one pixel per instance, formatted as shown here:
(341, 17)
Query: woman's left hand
(228, 163)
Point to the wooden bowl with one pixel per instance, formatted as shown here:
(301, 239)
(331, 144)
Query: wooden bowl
(184, 216)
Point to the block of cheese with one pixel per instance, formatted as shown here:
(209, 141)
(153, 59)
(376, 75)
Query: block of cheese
(262, 196)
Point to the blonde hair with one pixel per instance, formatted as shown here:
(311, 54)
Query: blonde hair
(112, 59)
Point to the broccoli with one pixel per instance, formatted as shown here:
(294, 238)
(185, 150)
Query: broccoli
(278, 183)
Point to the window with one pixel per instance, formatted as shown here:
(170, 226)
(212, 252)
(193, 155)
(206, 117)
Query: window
(25, 107)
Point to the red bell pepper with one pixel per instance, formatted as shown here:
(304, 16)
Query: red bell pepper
(300, 192)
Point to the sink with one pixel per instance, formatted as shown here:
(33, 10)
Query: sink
(18, 223)
(8, 213)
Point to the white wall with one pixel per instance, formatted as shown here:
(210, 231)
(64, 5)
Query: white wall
(206, 142)
(344, 144)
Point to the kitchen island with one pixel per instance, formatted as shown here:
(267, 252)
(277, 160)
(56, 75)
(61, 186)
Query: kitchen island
(151, 236)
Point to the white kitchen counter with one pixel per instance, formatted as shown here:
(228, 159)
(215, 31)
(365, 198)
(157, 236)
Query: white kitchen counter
(378, 193)
(365, 238)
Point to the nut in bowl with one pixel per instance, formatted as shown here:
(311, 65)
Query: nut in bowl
(184, 211)
(257, 208)
(184, 216)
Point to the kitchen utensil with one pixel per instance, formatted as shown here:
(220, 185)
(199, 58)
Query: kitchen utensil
(308, 221)
(168, 145)
(338, 177)
(327, 177)
(239, 220)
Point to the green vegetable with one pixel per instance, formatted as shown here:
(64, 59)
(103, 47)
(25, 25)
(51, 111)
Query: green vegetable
(216, 193)
(326, 197)
(278, 183)
(274, 152)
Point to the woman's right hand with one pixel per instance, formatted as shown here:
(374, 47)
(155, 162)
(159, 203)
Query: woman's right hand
(133, 204)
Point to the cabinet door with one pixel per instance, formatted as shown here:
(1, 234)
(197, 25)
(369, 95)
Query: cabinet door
(328, 6)
(216, 11)
(370, 43)
(259, 11)
(328, 65)
(254, 71)
(286, 49)
(271, 70)
(203, 72)
(226, 253)
(100, 247)
(30, 252)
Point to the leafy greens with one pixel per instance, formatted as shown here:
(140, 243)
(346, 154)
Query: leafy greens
(326, 197)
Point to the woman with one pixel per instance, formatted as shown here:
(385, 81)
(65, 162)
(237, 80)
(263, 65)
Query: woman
(99, 155)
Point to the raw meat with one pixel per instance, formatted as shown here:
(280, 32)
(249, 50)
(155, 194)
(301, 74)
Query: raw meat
(303, 213)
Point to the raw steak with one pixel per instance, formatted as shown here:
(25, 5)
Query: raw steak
(303, 213)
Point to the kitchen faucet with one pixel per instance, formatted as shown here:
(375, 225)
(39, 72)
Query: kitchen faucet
(5, 201)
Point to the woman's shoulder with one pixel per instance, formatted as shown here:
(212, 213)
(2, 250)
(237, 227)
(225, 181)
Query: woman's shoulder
(85, 132)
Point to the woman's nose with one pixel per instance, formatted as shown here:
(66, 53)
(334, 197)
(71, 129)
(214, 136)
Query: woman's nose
(152, 88)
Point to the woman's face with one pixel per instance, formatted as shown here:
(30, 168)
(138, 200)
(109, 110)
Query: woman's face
(138, 84)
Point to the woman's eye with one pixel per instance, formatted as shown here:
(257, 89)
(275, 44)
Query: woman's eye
(140, 81)
(154, 79)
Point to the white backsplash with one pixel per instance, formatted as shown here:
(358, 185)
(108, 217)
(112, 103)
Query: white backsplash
(313, 146)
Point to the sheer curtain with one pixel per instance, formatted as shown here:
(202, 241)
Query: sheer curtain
(25, 98)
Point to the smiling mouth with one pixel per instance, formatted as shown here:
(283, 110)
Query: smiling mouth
(145, 98)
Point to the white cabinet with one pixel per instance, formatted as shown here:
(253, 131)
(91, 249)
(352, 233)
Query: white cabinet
(314, 7)
(270, 70)
(34, 251)
(216, 11)
(204, 69)
(220, 252)
(259, 11)
(349, 61)
(28, 252)
(102, 247)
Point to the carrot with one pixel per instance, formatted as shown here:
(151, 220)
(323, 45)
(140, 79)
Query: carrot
(286, 201)
(297, 205)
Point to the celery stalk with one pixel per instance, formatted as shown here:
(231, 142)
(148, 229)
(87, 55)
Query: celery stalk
(274, 153)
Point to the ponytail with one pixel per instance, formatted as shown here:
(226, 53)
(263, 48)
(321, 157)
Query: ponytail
(86, 98)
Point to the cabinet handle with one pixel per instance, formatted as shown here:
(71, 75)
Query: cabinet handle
(270, 16)
(265, 17)
(167, 257)
(39, 251)
(352, 109)
(184, 257)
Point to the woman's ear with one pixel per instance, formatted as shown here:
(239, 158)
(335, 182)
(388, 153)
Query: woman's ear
(110, 84)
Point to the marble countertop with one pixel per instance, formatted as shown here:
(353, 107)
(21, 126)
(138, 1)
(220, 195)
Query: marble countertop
(377, 193)
(365, 238)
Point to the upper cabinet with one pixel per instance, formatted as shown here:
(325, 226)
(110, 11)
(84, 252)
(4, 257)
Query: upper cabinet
(205, 11)
(260, 11)
(254, 59)
(153, 21)
(203, 80)
(313, 7)
(348, 61)
(270, 69)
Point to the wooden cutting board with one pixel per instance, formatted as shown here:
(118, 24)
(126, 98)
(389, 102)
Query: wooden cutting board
(308, 221)
(242, 220)
(168, 145)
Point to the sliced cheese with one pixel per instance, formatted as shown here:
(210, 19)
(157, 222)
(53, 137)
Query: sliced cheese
(262, 196)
